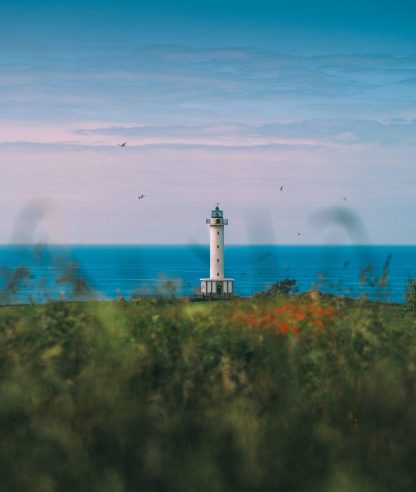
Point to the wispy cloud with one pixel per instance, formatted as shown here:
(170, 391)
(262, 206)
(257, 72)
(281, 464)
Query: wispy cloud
(332, 133)
(163, 83)
(324, 132)
(203, 125)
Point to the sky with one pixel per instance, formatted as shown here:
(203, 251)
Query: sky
(220, 101)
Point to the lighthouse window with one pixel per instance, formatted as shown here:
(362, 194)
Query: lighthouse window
(218, 260)
(218, 233)
(218, 246)
(218, 221)
(218, 274)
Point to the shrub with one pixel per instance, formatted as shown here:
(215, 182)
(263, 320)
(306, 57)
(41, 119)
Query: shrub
(410, 295)
(249, 395)
(286, 287)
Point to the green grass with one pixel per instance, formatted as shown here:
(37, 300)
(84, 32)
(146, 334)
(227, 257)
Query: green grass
(178, 396)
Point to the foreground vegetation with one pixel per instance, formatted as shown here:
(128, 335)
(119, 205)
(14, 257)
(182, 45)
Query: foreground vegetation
(269, 394)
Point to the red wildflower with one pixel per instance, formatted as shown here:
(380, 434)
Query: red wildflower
(287, 318)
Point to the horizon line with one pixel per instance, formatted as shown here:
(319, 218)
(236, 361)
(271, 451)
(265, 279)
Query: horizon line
(193, 244)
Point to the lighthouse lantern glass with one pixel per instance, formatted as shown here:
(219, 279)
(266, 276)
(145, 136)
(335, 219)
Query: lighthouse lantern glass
(217, 213)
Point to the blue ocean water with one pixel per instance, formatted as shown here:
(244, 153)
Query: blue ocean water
(52, 271)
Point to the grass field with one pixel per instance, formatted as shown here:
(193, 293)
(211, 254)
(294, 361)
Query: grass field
(279, 394)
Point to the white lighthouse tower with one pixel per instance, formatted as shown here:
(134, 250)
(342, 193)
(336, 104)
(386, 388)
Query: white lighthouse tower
(216, 285)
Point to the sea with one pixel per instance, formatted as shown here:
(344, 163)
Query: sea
(38, 273)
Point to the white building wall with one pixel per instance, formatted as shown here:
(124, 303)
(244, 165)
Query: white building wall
(216, 251)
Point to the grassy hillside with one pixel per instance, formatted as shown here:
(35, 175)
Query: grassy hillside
(283, 394)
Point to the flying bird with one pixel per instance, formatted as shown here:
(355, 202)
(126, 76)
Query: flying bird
(281, 188)
(299, 233)
(141, 196)
(122, 144)
(345, 198)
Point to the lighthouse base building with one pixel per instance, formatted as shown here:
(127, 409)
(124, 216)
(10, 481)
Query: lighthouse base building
(217, 288)
(216, 285)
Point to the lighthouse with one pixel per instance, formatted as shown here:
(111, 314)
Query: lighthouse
(216, 285)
